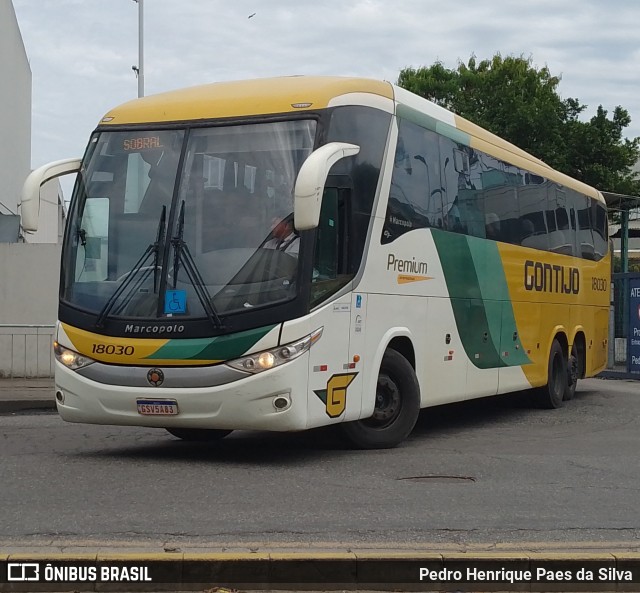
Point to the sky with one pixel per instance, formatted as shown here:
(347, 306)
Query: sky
(81, 52)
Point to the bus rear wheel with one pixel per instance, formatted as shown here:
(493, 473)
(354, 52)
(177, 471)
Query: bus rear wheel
(396, 408)
(551, 395)
(573, 373)
(200, 435)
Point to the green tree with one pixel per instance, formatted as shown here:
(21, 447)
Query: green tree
(598, 154)
(517, 101)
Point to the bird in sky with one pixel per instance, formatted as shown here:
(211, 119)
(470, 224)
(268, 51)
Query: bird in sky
(251, 15)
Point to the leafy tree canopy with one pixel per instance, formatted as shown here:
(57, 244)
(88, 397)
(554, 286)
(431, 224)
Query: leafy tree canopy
(520, 103)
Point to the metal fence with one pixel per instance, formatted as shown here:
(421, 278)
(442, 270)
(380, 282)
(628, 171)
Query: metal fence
(26, 351)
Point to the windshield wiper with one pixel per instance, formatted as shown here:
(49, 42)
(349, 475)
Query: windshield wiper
(181, 254)
(153, 249)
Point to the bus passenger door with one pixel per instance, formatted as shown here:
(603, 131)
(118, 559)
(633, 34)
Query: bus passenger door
(334, 379)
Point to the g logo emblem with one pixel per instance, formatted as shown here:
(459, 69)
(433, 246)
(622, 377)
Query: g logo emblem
(335, 395)
(155, 377)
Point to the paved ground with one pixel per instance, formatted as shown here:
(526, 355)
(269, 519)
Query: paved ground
(348, 565)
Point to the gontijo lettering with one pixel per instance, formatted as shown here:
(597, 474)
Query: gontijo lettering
(543, 277)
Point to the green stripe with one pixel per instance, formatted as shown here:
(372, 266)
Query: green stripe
(218, 348)
(493, 287)
(479, 294)
(492, 284)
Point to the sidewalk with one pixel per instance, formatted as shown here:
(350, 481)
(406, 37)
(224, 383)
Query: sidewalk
(26, 394)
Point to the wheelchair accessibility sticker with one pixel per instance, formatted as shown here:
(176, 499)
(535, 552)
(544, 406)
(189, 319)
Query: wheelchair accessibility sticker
(175, 301)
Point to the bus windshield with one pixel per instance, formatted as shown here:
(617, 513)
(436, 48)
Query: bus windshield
(195, 223)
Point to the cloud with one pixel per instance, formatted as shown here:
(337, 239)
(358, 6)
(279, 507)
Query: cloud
(81, 51)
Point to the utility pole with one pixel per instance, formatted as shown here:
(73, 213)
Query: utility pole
(139, 69)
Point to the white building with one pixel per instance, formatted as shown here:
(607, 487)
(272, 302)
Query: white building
(29, 262)
(15, 115)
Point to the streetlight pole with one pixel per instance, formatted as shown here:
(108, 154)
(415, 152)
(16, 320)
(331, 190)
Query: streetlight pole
(140, 68)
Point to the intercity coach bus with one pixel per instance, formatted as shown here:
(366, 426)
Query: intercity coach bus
(282, 254)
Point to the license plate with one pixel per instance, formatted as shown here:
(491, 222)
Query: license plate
(157, 407)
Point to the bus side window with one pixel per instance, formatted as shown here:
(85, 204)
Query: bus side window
(415, 197)
(599, 226)
(532, 201)
(331, 262)
(584, 227)
(328, 239)
(561, 233)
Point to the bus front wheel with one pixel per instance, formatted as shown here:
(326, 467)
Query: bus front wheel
(396, 407)
(551, 395)
(198, 434)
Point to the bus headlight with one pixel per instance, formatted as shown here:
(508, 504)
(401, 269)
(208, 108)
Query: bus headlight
(268, 359)
(69, 358)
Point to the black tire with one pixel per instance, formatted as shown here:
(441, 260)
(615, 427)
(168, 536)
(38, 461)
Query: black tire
(551, 395)
(198, 434)
(573, 373)
(396, 409)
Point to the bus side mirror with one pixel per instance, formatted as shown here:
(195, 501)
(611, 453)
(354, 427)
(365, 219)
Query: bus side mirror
(311, 180)
(30, 197)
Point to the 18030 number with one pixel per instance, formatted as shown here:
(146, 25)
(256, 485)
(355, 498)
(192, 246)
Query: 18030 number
(113, 349)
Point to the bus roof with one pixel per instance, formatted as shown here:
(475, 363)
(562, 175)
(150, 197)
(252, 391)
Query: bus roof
(243, 98)
(266, 96)
(459, 129)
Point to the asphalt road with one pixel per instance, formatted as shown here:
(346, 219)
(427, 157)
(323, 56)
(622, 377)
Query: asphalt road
(493, 471)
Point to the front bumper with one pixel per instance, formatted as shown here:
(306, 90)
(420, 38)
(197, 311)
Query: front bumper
(245, 404)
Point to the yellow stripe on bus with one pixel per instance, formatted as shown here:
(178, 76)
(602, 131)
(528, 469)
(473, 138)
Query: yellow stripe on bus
(115, 350)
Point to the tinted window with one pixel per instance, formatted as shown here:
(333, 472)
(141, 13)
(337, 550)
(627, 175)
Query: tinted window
(415, 196)
(469, 201)
(464, 190)
(599, 221)
(584, 226)
(498, 181)
(369, 129)
(532, 202)
(331, 262)
(559, 221)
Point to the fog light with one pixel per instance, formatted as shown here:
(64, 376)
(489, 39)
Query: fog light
(281, 403)
(60, 397)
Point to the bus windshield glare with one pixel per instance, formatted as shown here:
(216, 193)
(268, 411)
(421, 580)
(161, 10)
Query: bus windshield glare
(194, 222)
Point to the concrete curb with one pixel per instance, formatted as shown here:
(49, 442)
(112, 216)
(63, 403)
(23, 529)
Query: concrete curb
(330, 571)
(12, 406)
(23, 395)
